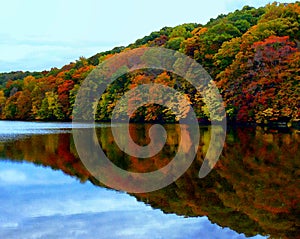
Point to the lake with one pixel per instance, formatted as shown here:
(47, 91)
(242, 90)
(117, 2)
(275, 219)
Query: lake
(47, 192)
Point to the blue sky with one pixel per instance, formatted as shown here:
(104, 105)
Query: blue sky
(38, 35)
(37, 202)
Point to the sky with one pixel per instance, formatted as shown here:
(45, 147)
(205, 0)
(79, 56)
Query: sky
(37, 202)
(37, 35)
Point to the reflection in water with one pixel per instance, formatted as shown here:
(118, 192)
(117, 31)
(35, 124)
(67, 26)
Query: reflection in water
(254, 188)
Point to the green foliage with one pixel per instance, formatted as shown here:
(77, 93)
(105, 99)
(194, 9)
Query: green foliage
(174, 43)
(227, 53)
(94, 60)
(51, 108)
(17, 75)
(242, 25)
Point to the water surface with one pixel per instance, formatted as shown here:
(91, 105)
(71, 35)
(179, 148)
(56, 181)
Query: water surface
(46, 192)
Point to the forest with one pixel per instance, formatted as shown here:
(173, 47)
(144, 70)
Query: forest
(251, 54)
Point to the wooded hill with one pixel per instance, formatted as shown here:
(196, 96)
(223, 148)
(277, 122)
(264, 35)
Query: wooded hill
(251, 54)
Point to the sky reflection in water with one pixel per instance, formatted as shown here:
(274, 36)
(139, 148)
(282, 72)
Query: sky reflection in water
(38, 202)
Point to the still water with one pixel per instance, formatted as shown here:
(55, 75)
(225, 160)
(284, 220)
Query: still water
(46, 192)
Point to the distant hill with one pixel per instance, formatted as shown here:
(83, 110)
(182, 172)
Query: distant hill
(252, 55)
(16, 75)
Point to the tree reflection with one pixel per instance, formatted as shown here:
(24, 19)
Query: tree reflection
(253, 189)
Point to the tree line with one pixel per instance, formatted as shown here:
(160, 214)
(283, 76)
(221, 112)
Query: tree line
(252, 55)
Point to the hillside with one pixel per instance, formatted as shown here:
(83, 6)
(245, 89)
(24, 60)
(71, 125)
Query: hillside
(252, 55)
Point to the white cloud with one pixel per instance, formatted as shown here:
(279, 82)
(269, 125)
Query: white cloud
(11, 176)
(20, 174)
(43, 55)
(114, 225)
(38, 35)
(47, 207)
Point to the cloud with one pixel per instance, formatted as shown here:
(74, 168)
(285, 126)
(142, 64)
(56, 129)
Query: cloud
(40, 35)
(46, 204)
(23, 174)
(125, 224)
(12, 176)
(38, 55)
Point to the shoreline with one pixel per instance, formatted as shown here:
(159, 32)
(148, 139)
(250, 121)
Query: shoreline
(271, 125)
